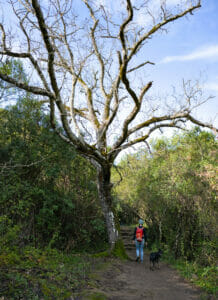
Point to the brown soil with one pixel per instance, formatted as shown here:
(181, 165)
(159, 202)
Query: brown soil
(131, 280)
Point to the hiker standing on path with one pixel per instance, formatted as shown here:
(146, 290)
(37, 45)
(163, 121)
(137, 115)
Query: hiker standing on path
(140, 238)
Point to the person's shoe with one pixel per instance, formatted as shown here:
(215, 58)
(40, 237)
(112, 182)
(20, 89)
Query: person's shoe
(141, 261)
(137, 259)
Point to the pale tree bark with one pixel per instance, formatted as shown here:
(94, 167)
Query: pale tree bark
(84, 67)
(104, 189)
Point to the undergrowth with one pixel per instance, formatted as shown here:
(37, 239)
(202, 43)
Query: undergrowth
(43, 274)
(205, 277)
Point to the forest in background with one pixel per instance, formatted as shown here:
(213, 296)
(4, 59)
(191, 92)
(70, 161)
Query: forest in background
(49, 197)
(174, 190)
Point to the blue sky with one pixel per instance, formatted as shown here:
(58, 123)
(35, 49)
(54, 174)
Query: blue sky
(189, 51)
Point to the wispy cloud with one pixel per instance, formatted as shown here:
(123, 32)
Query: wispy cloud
(212, 86)
(153, 5)
(203, 53)
(176, 2)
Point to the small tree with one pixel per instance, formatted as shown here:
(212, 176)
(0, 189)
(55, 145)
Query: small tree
(85, 64)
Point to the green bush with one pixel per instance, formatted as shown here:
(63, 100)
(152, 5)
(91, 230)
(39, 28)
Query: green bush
(47, 190)
(50, 274)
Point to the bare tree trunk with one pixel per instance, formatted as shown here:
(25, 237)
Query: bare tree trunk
(104, 191)
(160, 231)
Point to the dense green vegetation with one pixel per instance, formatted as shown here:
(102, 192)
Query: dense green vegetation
(48, 203)
(174, 190)
(50, 216)
(31, 273)
(47, 190)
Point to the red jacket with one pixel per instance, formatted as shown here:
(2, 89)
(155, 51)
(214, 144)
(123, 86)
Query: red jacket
(144, 233)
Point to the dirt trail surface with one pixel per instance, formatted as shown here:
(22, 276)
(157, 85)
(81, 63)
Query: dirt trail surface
(130, 280)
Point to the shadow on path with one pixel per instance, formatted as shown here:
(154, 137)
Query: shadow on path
(130, 280)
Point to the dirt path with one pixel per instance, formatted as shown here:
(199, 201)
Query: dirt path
(130, 280)
(134, 281)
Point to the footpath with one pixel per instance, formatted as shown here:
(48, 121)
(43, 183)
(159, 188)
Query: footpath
(130, 280)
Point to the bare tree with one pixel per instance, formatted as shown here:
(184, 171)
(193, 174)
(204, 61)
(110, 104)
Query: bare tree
(84, 61)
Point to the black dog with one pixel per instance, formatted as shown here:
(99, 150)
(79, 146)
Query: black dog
(154, 259)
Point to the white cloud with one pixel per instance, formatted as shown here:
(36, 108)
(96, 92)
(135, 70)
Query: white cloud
(152, 4)
(212, 86)
(101, 2)
(145, 19)
(205, 53)
(112, 7)
(175, 2)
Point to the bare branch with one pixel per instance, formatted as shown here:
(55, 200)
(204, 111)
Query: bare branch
(199, 123)
(32, 89)
(3, 36)
(141, 65)
(89, 98)
(85, 148)
(148, 146)
(108, 97)
(125, 133)
(147, 135)
(158, 26)
(123, 27)
(48, 45)
(65, 38)
(154, 120)
(121, 177)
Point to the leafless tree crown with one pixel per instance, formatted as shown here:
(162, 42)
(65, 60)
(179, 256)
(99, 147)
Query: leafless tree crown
(84, 59)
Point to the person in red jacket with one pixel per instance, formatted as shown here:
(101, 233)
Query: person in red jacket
(140, 239)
